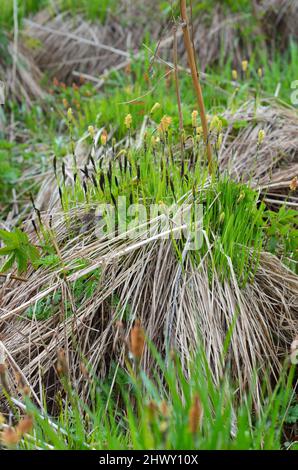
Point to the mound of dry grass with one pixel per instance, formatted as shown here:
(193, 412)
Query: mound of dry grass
(20, 73)
(71, 45)
(274, 163)
(279, 17)
(180, 308)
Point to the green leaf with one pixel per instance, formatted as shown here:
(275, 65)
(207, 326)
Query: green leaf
(6, 236)
(6, 250)
(9, 263)
(22, 261)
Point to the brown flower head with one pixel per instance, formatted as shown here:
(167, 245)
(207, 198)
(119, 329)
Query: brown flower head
(195, 414)
(25, 425)
(9, 437)
(294, 184)
(137, 340)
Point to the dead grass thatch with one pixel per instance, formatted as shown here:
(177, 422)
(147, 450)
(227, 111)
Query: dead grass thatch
(71, 45)
(142, 278)
(20, 73)
(274, 163)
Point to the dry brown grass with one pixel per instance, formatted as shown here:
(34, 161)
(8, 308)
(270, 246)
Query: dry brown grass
(72, 45)
(274, 164)
(23, 84)
(178, 308)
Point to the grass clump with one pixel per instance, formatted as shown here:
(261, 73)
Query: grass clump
(154, 414)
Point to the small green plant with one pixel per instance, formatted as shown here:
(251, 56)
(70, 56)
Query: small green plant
(82, 290)
(18, 250)
(9, 172)
(282, 235)
(292, 415)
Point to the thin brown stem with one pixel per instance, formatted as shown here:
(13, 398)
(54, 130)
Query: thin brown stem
(11, 276)
(175, 60)
(195, 78)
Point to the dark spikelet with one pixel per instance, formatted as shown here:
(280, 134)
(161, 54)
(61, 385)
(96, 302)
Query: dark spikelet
(85, 187)
(116, 181)
(120, 165)
(102, 182)
(63, 172)
(138, 172)
(34, 226)
(93, 162)
(55, 165)
(182, 169)
(60, 195)
(113, 199)
(32, 201)
(94, 181)
(38, 215)
(75, 176)
(109, 175)
(172, 188)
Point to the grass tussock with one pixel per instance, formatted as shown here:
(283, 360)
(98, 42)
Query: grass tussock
(149, 249)
(229, 286)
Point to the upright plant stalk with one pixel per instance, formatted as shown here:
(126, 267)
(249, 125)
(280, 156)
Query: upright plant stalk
(175, 58)
(195, 78)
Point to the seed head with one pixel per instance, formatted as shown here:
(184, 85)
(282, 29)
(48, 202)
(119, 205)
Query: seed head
(261, 136)
(155, 108)
(216, 124)
(195, 415)
(199, 131)
(69, 114)
(153, 141)
(260, 72)
(21, 385)
(165, 123)
(194, 118)
(91, 131)
(9, 437)
(244, 65)
(234, 74)
(128, 121)
(104, 137)
(24, 426)
(137, 340)
(219, 141)
(294, 184)
(62, 366)
(164, 409)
